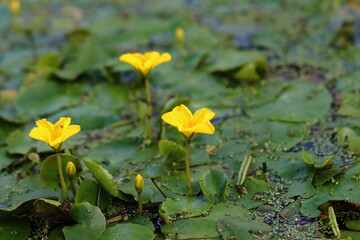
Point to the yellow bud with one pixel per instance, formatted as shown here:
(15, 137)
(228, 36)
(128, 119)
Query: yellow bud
(14, 6)
(70, 169)
(139, 183)
(179, 34)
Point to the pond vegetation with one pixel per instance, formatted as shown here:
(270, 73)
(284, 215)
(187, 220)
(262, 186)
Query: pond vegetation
(271, 151)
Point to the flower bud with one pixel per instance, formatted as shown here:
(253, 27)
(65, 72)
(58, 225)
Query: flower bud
(139, 183)
(14, 6)
(70, 169)
(179, 34)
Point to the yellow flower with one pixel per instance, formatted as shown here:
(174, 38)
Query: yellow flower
(14, 6)
(179, 34)
(54, 134)
(70, 169)
(144, 63)
(139, 183)
(189, 124)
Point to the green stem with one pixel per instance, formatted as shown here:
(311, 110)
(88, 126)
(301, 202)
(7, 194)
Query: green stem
(187, 165)
(140, 202)
(158, 188)
(61, 176)
(98, 197)
(149, 108)
(72, 186)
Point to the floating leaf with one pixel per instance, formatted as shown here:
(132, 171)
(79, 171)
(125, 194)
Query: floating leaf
(14, 229)
(91, 222)
(30, 102)
(353, 225)
(87, 191)
(184, 207)
(172, 152)
(237, 228)
(214, 183)
(128, 231)
(315, 102)
(191, 228)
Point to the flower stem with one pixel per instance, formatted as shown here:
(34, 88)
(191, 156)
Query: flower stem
(187, 165)
(158, 188)
(72, 186)
(61, 176)
(149, 108)
(140, 202)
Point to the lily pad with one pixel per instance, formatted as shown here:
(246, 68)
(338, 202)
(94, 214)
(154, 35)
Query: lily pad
(14, 229)
(184, 207)
(91, 192)
(214, 183)
(128, 231)
(315, 103)
(30, 102)
(91, 223)
(237, 228)
(191, 228)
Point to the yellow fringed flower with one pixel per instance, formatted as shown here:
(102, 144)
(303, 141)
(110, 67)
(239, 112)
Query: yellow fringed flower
(189, 124)
(144, 63)
(54, 134)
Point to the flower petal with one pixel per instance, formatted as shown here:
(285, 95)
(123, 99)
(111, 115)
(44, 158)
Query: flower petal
(43, 131)
(202, 115)
(40, 134)
(179, 117)
(134, 59)
(165, 57)
(205, 127)
(71, 130)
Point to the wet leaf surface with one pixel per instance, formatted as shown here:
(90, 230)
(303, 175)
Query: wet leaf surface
(282, 77)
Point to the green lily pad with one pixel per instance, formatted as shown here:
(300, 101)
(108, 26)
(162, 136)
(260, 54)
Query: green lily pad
(14, 229)
(214, 183)
(353, 225)
(91, 223)
(184, 207)
(191, 228)
(237, 228)
(229, 59)
(172, 152)
(102, 176)
(343, 188)
(143, 221)
(109, 153)
(315, 103)
(56, 234)
(18, 193)
(128, 231)
(91, 192)
(49, 170)
(30, 102)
